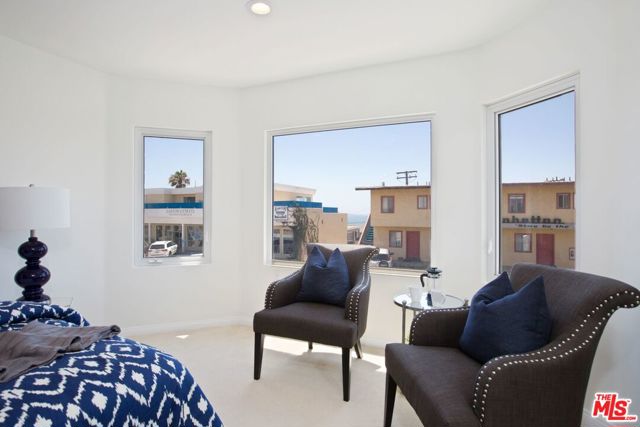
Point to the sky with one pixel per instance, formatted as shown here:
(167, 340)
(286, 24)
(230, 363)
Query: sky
(164, 156)
(538, 141)
(336, 162)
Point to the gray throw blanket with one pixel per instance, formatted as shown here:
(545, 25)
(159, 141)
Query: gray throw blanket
(38, 344)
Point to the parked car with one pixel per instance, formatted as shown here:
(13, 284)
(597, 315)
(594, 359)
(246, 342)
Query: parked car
(162, 248)
(381, 259)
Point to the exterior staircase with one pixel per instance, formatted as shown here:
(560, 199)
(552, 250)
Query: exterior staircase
(366, 238)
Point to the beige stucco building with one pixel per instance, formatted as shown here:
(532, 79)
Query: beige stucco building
(331, 225)
(401, 221)
(538, 223)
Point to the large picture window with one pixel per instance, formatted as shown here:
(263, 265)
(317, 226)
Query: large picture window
(535, 177)
(353, 184)
(171, 200)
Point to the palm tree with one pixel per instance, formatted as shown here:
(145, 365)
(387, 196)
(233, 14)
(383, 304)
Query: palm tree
(179, 179)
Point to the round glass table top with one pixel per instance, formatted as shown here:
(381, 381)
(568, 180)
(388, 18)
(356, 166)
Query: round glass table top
(404, 298)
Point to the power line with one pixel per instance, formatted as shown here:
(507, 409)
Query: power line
(406, 176)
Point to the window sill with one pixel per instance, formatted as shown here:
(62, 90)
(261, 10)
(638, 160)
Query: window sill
(376, 271)
(172, 262)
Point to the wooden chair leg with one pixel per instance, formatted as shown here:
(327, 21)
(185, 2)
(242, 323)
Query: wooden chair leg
(389, 400)
(346, 373)
(257, 356)
(310, 346)
(358, 348)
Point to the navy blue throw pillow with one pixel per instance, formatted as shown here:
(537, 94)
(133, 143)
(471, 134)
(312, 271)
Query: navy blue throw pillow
(325, 281)
(503, 322)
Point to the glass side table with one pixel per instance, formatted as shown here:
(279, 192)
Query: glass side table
(404, 300)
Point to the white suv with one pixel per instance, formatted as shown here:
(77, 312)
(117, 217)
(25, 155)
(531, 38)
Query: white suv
(162, 248)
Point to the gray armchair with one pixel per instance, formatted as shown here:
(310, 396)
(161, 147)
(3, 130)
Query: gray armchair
(545, 387)
(313, 322)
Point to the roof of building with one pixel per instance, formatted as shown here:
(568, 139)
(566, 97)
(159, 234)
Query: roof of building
(393, 187)
(539, 183)
(185, 190)
(411, 187)
(294, 189)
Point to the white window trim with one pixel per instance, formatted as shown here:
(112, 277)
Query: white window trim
(541, 92)
(138, 194)
(268, 178)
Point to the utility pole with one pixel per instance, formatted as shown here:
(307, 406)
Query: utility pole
(406, 176)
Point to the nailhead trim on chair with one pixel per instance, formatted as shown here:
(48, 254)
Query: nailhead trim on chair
(532, 355)
(357, 290)
(271, 290)
(424, 312)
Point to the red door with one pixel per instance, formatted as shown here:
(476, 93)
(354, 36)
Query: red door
(413, 244)
(545, 249)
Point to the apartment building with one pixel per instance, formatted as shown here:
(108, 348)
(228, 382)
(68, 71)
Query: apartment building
(538, 223)
(401, 220)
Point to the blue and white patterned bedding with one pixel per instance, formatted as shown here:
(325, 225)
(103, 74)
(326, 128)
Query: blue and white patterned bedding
(116, 382)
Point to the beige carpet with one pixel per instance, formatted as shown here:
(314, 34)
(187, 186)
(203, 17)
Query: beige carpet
(297, 388)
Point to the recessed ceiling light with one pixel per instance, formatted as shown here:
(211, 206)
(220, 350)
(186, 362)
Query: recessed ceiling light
(259, 7)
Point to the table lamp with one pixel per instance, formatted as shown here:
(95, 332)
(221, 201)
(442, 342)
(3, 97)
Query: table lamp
(31, 208)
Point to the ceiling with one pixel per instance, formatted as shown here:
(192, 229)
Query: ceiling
(219, 42)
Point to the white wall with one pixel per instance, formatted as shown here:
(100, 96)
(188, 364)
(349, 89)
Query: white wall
(67, 125)
(64, 124)
(52, 133)
(599, 39)
(596, 38)
(410, 87)
(168, 296)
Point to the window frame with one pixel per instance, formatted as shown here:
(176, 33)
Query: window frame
(269, 136)
(138, 203)
(524, 203)
(568, 196)
(401, 238)
(427, 201)
(515, 242)
(491, 152)
(393, 204)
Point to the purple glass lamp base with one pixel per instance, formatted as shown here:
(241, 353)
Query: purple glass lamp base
(33, 276)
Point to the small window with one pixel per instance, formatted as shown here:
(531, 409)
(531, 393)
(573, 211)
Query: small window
(386, 204)
(516, 203)
(395, 239)
(563, 200)
(423, 202)
(522, 242)
(172, 216)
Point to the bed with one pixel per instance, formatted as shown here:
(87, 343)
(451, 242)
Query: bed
(115, 382)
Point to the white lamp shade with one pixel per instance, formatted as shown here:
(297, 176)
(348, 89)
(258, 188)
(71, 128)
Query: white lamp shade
(32, 208)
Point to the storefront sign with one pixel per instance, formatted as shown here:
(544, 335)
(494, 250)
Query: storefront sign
(280, 213)
(530, 225)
